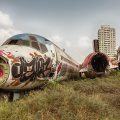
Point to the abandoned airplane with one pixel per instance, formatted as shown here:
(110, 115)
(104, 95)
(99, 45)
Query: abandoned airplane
(29, 61)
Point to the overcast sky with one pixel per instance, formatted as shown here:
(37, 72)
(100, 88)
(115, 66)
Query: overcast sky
(71, 24)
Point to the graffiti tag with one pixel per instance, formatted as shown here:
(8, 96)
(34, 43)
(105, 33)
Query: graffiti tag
(37, 68)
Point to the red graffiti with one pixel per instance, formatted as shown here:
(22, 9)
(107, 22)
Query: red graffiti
(8, 54)
(59, 68)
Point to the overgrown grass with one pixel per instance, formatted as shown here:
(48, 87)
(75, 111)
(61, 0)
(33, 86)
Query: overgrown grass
(96, 99)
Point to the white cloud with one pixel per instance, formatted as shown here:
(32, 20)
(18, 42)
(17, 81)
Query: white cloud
(84, 42)
(7, 28)
(5, 20)
(78, 49)
(83, 48)
(68, 43)
(6, 33)
(57, 40)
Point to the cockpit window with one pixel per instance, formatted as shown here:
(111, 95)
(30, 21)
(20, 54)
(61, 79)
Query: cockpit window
(13, 42)
(25, 42)
(35, 45)
(34, 41)
(16, 42)
(43, 48)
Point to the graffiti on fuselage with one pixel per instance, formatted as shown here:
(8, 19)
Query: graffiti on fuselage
(8, 54)
(37, 68)
(59, 67)
(63, 70)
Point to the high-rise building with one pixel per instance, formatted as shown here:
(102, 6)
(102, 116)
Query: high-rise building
(107, 40)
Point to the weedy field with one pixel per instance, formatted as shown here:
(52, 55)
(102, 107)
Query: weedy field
(84, 99)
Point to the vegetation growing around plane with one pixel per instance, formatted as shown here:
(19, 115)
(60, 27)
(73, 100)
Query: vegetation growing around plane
(96, 99)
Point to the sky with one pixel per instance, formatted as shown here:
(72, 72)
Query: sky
(70, 24)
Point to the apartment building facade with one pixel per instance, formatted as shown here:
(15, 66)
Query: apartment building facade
(107, 40)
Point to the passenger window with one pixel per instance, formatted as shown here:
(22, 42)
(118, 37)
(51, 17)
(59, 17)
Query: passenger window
(35, 45)
(43, 48)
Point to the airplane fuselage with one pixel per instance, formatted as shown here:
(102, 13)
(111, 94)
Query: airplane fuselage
(28, 61)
